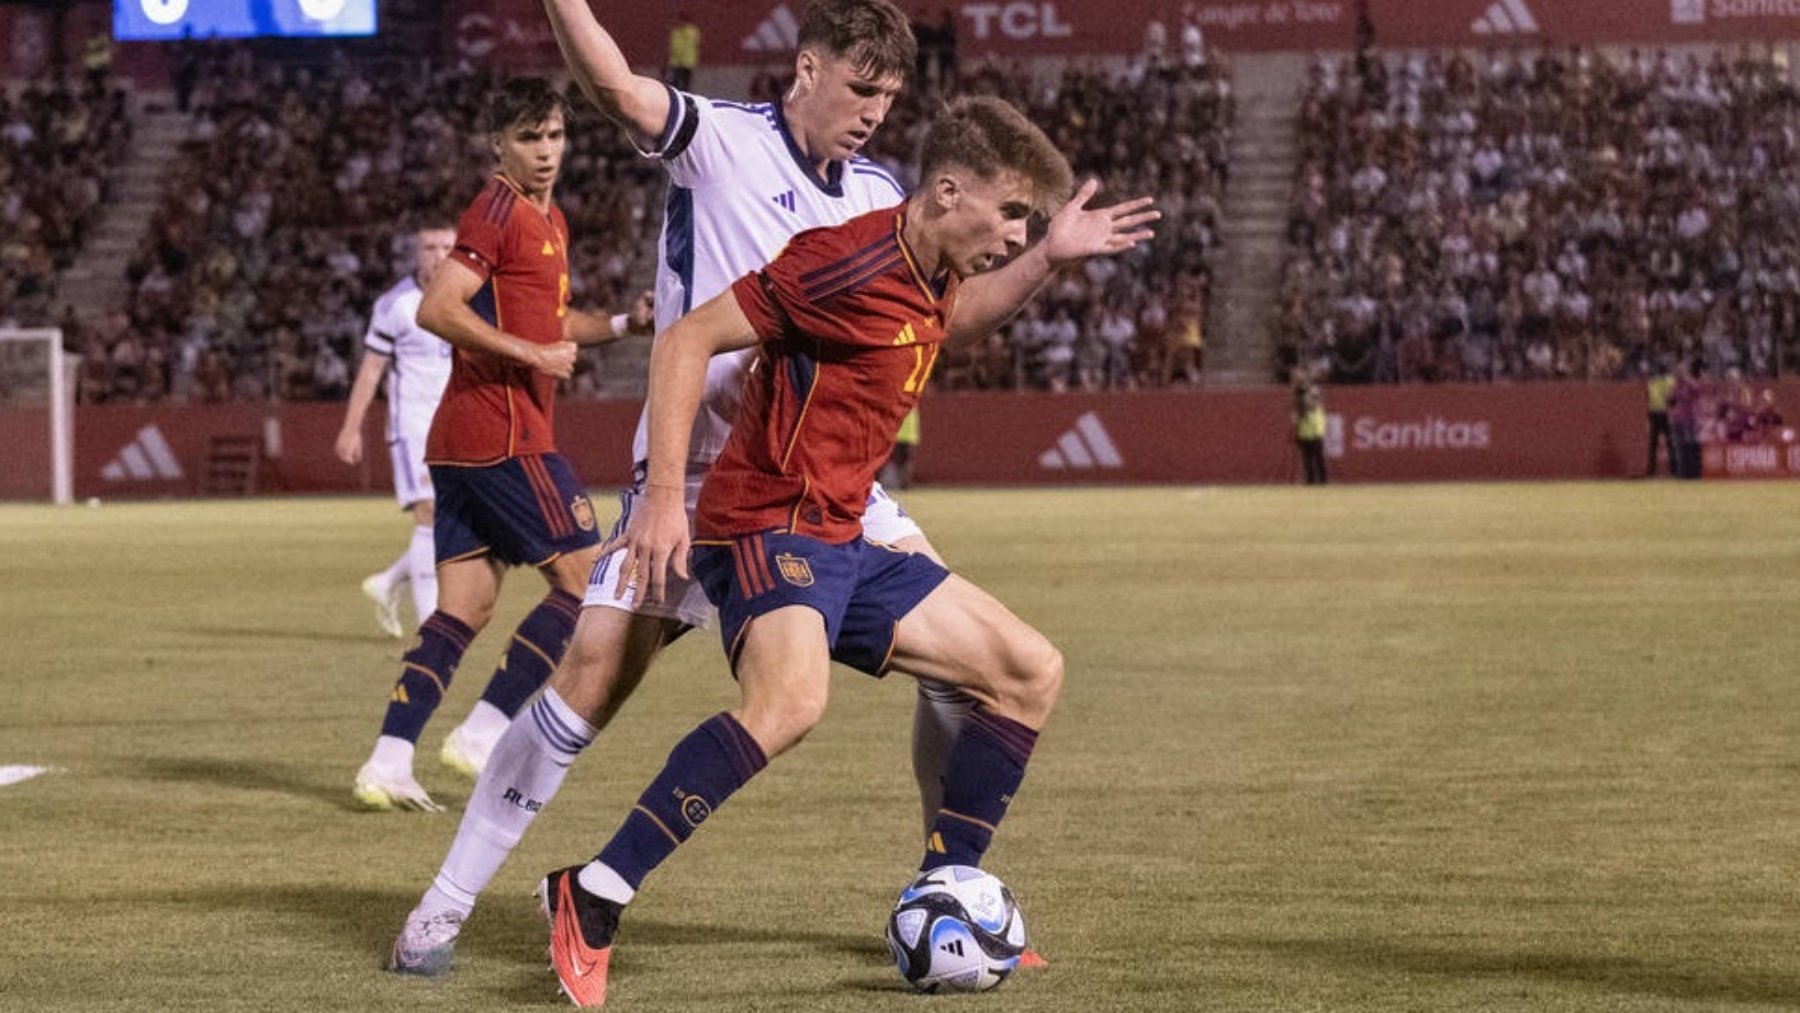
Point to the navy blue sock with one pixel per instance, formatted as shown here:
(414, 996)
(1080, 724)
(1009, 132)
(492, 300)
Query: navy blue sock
(986, 766)
(537, 645)
(703, 770)
(425, 673)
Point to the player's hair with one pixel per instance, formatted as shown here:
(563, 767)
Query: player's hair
(873, 35)
(988, 136)
(526, 100)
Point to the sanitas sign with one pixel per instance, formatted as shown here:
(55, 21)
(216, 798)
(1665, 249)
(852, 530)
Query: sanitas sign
(1433, 432)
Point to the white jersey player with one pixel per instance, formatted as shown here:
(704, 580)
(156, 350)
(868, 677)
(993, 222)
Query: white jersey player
(739, 189)
(416, 366)
(743, 179)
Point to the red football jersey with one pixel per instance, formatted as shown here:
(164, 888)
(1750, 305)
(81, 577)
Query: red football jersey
(495, 408)
(850, 327)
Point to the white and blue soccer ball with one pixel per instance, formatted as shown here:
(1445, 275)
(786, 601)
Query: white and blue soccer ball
(956, 929)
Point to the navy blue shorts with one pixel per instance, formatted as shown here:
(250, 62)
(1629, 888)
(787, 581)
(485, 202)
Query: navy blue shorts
(524, 510)
(862, 588)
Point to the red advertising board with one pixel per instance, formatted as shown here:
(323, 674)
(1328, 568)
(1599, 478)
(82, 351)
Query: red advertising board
(1565, 22)
(1375, 434)
(514, 34)
(762, 31)
(1773, 459)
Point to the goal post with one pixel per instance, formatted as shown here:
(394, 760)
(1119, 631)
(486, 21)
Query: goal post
(37, 381)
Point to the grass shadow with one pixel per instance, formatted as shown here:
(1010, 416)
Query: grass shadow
(272, 633)
(244, 775)
(361, 922)
(1684, 981)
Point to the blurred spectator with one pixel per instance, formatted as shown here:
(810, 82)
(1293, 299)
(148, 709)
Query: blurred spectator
(278, 222)
(1159, 127)
(1656, 390)
(1308, 417)
(684, 52)
(1684, 421)
(1548, 215)
(58, 142)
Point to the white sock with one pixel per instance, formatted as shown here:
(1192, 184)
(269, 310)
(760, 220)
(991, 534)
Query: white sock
(392, 754)
(522, 775)
(937, 722)
(486, 722)
(421, 569)
(397, 570)
(600, 880)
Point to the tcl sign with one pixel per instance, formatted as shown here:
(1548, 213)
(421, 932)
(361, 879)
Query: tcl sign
(505, 38)
(1017, 20)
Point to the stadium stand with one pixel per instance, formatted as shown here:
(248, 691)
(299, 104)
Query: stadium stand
(261, 260)
(1158, 127)
(1572, 214)
(58, 140)
(287, 214)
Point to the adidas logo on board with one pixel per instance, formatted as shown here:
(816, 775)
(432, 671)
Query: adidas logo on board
(1088, 445)
(146, 457)
(778, 33)
(1506, 17)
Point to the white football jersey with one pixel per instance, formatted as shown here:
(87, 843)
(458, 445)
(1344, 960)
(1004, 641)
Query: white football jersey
(421, 361)
(739, 189)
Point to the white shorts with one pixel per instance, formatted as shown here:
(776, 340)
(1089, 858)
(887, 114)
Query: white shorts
(412, 479)
(685, 600)
(883, 519)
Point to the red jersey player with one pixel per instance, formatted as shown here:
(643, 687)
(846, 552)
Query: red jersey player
(849, 321)
(505, 497)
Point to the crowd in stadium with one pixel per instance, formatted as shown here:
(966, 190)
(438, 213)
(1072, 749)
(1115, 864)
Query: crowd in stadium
(1457, 217)
(1556, 215)
(1160, 127)
(57, 142)
(247, 296)
(285, 217)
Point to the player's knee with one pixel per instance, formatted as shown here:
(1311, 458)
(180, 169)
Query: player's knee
(1035, 680)
(581, 681)
(779, 729)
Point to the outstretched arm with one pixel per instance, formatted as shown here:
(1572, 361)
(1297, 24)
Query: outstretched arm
(1076, 233)
(656, 540)
(637, 103)
(586, 328)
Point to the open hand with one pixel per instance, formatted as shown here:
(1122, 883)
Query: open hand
(1078, 232)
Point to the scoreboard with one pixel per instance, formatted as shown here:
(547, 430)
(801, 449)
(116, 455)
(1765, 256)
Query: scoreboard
(161, 20)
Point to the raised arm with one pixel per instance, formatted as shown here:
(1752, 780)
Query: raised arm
(656, 540)
(637, 103)
(1077, 232)
(445, 312)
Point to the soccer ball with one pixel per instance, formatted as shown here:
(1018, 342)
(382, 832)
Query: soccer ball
(956, 929)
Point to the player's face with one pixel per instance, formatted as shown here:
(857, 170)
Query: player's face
(985, 220)
(837, 105)
(531, 153)
(434, 248)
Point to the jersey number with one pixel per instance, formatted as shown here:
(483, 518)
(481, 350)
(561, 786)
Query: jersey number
(922, 364)
(562, 295)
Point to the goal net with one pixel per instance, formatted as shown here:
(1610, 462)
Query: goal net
(37, 424)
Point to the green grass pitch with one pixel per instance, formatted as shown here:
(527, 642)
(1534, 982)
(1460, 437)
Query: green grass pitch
(1407, 748)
